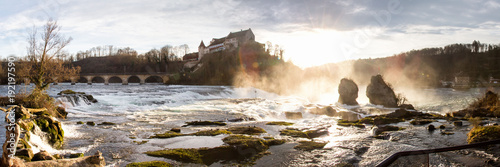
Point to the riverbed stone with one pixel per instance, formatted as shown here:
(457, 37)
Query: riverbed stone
(42, 156)
(431, 128)
(380, 93)
(348, 92)
(177, 130)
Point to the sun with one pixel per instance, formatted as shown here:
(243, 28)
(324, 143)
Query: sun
(314, 47)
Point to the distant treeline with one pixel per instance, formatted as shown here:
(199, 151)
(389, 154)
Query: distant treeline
(429, 66)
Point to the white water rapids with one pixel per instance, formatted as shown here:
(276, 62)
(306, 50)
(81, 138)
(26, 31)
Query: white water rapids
(139, 111)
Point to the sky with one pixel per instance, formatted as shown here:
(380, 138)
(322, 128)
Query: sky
(311, 32)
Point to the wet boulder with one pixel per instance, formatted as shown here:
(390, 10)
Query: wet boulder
(431, 128)
(42, 156)
(348, 92)
(380, 93)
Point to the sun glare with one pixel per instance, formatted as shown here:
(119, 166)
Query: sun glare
(313, 48)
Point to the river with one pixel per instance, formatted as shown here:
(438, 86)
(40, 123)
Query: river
(139, 111)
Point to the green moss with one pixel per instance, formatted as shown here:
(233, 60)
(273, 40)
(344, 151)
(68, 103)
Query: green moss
(181, 154)
(272, 142)
(211, 132)
(140, 142)
(366, 120)
(246, 130)
(421, 121)
(80, 122)
(240, 148)
(149, 164)
(42, 123)
(309, 145)
(69, 92)
(76, 155)
(282, 123)
(132, 137)
(26, 125)
(91, 123)
(168, 134)
(446, 133)
(293, 133)
(483, 133)
(25, 158)
(204, 123)
(350, 123)
(24, 144)
(107, 123)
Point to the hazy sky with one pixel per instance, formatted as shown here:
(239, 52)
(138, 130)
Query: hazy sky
(312, 32)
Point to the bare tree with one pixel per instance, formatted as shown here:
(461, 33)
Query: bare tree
(42, 66)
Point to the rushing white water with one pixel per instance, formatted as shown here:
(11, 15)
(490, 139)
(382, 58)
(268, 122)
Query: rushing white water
(139, 111)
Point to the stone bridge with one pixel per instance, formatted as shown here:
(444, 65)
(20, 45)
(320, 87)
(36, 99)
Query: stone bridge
(107, 78)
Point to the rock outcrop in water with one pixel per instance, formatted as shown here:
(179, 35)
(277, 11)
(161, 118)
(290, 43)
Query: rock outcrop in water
(348, 92)
(380, 93)
(487, 106)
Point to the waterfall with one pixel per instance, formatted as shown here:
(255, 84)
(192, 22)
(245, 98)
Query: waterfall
(39, 141)
(73, 100)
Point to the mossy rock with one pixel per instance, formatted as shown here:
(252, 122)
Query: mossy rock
(80, 122)
(76, 155)
(53, 129)
(483, 133)
(149, 164)
(184, 155)
(240, 148)
(210, 132)
(422, 121)
(350, 123)
(90, 123)
(273, 142)
(107, 123)
(168, 134)
(309, 145)
(58, 156)
(42, 123)
(293, 133)
(282, 123)
(246, 130)
(140, 142)
(386, 128)
(205, 123)
(69, 92)
(243, 142)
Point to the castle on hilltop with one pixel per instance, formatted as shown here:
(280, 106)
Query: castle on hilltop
(231, 41)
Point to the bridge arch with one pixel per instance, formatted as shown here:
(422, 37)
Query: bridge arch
(133, 79)
(153, 79)
(82, 80)
(115, 79)
(98, 79)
